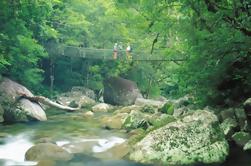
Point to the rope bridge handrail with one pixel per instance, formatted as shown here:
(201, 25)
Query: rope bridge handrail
(107, 54)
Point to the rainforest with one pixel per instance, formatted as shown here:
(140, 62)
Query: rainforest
(125, 82)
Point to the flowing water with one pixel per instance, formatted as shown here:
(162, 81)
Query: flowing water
(84, 137)
(78, 135)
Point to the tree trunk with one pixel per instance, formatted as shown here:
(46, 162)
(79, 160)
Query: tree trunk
(46, 101)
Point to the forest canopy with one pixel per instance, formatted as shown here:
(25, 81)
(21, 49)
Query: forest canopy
(211, 38)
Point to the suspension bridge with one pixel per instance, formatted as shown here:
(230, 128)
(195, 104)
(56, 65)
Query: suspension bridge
(107, 54)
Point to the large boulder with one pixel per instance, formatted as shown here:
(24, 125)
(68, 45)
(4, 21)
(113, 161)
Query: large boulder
(119, 91)
(16, 108)
(194, 138)
(47, 151)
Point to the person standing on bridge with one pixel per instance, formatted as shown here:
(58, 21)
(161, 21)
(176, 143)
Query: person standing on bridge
(128, 52)
(115, 51)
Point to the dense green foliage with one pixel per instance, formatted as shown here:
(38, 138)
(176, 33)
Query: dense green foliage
(211, 39)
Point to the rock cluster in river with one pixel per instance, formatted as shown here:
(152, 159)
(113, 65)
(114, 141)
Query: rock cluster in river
(15, 108)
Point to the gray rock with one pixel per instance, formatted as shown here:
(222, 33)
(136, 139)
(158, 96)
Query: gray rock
(102, 107)
(195, 138)
(149, 102)
(228, 113)
(228, 126)
(119, 91)
(15, 108)
(241, 117)
(84, 91)
(77, 98)
(47, 151)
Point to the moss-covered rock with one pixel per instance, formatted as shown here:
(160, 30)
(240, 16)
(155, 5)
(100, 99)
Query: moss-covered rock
(160, 120)
(247, 146)
(228, 126)
(168, 108)
(241, 138)
(136, 119)
(194, 138)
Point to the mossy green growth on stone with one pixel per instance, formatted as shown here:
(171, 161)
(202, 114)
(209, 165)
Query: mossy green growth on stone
(162, 120)
(73, 104)
(168, 108)
(247, 146)
(241, 138)
(193, 139)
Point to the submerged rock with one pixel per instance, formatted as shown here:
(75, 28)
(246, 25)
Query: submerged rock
(195, 138)
(120, 91)
(47, 151)
(15, 108)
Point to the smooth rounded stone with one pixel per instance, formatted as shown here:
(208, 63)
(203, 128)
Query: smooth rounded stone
(228, 126)
(192, 139)
(114, 122)
(120, 91)
(241, 138)
(33, 110)
(25, 110)
(47, 151)
(247, 146)
(88, 114)
(102, 107)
